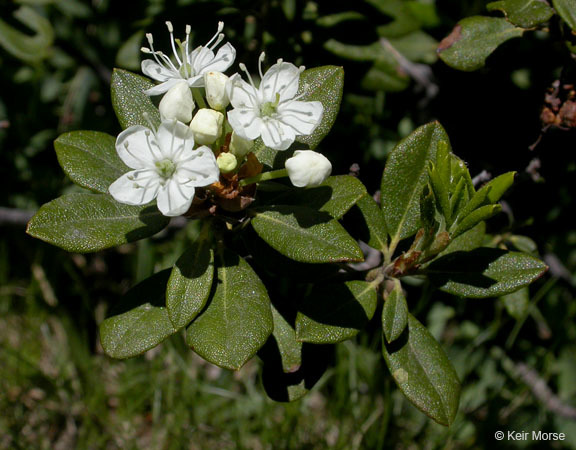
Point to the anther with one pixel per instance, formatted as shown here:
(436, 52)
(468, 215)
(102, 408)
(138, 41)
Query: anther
(150, 38)
(145, 50)
(170, 27)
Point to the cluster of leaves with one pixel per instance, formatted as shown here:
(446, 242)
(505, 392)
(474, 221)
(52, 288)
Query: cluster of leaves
(224, 289)
(475, 38)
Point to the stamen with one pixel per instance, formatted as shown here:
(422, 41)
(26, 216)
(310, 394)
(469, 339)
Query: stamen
(150, 124)
(217, 35)
(150, 38)
(244, 69)
(145, 50)
(188, 31)
(220, 39)
(171, 31)
(260, 61)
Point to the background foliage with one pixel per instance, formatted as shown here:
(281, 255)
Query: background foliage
(60, 391)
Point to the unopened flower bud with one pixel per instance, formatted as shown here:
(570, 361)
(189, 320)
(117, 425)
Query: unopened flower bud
(240, 146)
(215, 85)
(177, 103)
(307, 168)
(207, 126)
(227, 162)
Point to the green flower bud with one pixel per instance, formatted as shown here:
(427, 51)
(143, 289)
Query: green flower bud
(227, 162)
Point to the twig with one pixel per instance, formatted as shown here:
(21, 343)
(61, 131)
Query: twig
(14, 216)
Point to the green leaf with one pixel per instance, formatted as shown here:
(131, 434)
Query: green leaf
(90, 222)
(324, 84)
(335, 196)
(517, 303)
(484, 272)
(372, 223)
(190, 283)
(469, 240)
(403, 20)
(385, 76)
(290, 367)
(305, 235)
(394, 314)
(567, 10)
(237, 319)
(25, 47)
(334, 313)
(499, 185)
(129, 54)
(474, 39)
(523, 13)
(424, 373)
(130, 102)
(90, 159)
(140, 322)
(475, 217)
(405, 176)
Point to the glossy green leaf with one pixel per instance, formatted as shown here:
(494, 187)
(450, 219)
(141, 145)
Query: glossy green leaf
(405, 176)
(91, 222)
(475, 217)
(324, 84)
(469, 240)
(289, 347)
(499, 186)
(190, 283)
(305, 235)
(90, 159)
(237, 319)
(567, 10)
(336, 312)
(23, 46)
(474, 39)
(423, 372)
(130, 102)
(394, 314)
(140, 322)
(335, 196)
(523, 13)
(484, 272)
(372, 223)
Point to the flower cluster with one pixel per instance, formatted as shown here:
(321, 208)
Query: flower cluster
(201, 144)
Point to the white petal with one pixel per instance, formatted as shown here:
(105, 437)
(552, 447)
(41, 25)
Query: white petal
(276, 135)
(303, 117)
(282, 78)
(223, 60)
(136, 147)
(245, 123)
(241, 94)
(162, 88)
(137, 187)
(158, 72)
(200, 58)
(174, 198)
(175, 139)
(201, 169)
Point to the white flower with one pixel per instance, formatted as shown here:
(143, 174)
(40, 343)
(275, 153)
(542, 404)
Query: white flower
(165, 167)
(177, 103)
(216, 95)
(189, 66)
(272, 110)
(207, 126)
(307, 168)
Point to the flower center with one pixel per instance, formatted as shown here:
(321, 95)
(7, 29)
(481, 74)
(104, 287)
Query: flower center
(166, 168)
(186, 70)
(269, 108)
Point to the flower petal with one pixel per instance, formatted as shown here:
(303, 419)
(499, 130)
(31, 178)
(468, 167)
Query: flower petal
(245, 123)
(302, 117)
(137, 187)
(163, 87)
(136, 147)
(201, 169)
(277, 135)
(219, 63)
(157, 71)
(176, 140)
(282, 78)
(241, 94)
(175, 198)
